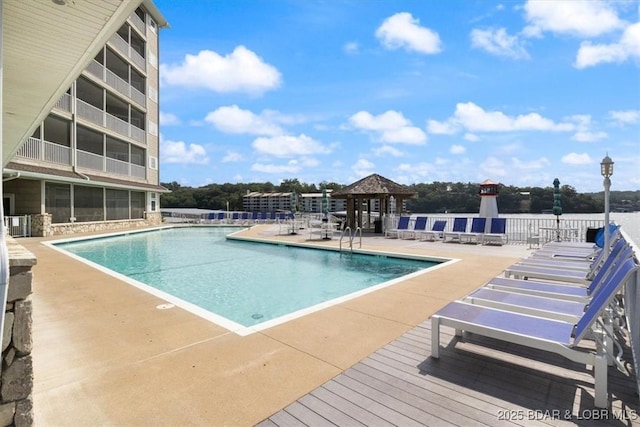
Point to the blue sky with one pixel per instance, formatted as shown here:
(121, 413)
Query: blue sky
(520, 92)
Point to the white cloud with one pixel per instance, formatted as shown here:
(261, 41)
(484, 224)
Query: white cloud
(291, 167)
(457, 149)
(417, 171)
(498, 42)
(168, 119)
(475, 119)
(387, 150)
(288, 145)
(402, 30)
(351, 48)
(440, 128)
(471, 137)
(179, 152)
(232, 157)
(582, 18)
(232, 119)
(493, 166)
(625, 117)
(240, 71)
(390, 127)
(628, 47)
(540, 163)
(362, 167)
(588, 136)
(577, 159)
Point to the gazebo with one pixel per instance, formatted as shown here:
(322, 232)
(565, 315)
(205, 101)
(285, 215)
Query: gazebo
(373, 187)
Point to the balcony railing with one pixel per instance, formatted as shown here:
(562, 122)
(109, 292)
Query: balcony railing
(115, 82)
(96, 116)
(64, 103)
(125, 49)
(37, 149)
(137, 23)
(100, 163)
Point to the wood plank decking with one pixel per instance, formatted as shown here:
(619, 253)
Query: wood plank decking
(476, 381)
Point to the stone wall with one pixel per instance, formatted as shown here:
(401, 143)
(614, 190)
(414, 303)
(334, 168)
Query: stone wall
(41, 225)
(16, 380)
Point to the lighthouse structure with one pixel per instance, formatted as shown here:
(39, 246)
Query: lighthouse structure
(488, 200)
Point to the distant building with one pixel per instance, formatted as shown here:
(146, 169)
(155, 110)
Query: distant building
(273, 202)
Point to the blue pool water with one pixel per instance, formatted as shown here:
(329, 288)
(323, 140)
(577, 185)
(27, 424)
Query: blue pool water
(247, 283)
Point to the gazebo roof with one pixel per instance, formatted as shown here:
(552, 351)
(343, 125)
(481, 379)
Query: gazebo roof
(374, 186)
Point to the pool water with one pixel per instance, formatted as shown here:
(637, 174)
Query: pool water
(247, 283)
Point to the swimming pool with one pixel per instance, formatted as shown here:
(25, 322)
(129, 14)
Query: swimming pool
(241, 285)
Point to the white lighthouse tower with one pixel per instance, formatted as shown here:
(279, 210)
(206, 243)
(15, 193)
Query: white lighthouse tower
(489, 200)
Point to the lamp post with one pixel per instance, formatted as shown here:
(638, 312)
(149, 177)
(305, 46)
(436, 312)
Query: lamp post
(606, 169)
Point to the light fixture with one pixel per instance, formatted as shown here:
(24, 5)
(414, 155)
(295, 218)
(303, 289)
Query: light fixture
(606, 167)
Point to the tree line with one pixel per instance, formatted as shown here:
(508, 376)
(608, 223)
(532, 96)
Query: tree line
(432, 197)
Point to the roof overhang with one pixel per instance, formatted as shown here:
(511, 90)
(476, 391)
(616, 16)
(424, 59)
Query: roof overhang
(45, 46)
(19, 170)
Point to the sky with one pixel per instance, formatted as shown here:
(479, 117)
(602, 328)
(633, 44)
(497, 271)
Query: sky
(519, 92)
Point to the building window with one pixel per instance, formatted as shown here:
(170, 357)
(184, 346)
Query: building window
(57, 202)
(117, 204)
(137, 204)
(137, 155)
(154, 202)
(153, 25)
(153, 162)
(153, 128)
(88, 203)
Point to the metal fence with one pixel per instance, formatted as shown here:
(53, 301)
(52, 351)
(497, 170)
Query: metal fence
(18, 226)
(522, 230)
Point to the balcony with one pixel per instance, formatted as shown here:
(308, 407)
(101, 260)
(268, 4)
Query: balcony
(64, 103)
(41, 150)
(116, 83)
(96, 116)
(108, 165)
(137, 23)
(127, 51)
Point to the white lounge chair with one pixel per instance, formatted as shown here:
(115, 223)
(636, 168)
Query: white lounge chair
(459, 227)
(419, 225)
(554, 336)
(436, 232)
(403, 224)
(497, 234)
(560, 274)
(476, 234)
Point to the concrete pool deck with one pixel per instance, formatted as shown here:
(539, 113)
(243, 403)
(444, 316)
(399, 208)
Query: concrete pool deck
(105, 354)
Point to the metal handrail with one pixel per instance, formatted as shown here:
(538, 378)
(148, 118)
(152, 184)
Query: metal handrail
(350, 238)
(358, 229)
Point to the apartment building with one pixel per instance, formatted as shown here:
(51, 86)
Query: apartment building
(92, 163)
(273, 202)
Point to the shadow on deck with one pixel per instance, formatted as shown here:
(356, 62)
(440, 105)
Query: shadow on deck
(476, 381)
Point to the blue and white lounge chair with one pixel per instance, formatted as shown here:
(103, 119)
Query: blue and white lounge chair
(419, 225)
(403, 225)
(478, 225)
(436, 232)
(560, 274)
(544, 306)
(549, 335)
(497, 234)
(459, 227)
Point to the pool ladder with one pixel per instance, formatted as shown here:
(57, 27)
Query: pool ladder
(351, 236)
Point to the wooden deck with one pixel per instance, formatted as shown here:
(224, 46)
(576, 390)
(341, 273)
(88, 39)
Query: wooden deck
(476, 381)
